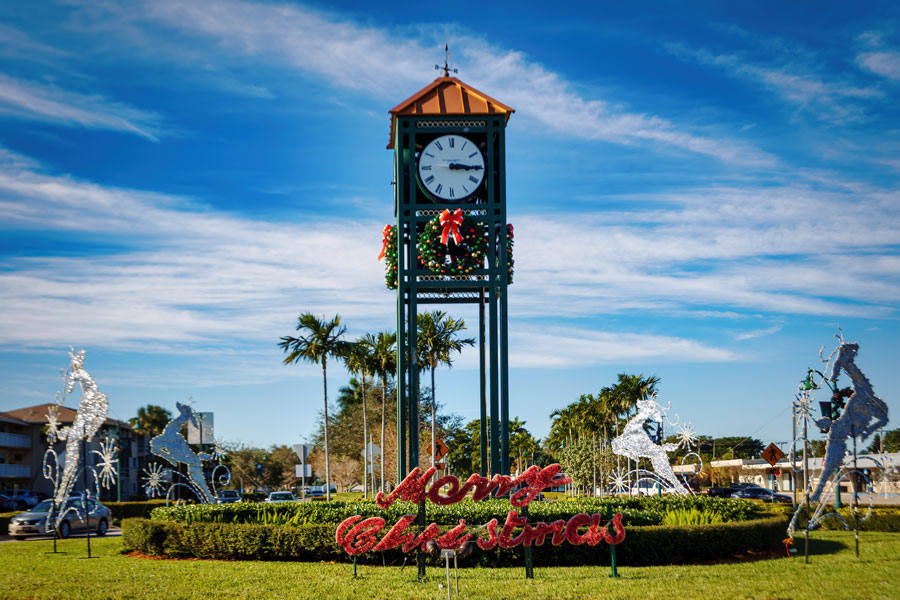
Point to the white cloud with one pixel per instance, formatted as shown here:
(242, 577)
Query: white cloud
(30, 100)
(387, 63)
(885, 63)
(534, 347)
(800, 85)
(192, 278)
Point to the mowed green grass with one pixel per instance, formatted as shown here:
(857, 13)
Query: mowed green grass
(834, 572)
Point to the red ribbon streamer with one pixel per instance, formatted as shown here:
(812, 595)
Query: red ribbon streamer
(387, 234)
(451, 222)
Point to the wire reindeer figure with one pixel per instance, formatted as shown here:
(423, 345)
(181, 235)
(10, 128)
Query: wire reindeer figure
(863, 414)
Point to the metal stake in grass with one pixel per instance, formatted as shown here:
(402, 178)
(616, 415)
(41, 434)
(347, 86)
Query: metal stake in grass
(529, 561)
(612, 547)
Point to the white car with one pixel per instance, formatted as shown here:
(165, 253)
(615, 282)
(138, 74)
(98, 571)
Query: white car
(280, 497)
(648, 487)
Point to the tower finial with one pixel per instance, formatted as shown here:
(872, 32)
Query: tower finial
(447, 69)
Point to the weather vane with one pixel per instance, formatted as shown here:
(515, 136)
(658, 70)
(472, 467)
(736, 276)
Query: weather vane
(447, 69)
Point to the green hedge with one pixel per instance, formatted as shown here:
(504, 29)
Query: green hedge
(637, 511)
(129, 510)
(882, 518)
(642, 545)
(4, 521)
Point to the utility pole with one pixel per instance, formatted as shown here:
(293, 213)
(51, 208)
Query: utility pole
(806, 482)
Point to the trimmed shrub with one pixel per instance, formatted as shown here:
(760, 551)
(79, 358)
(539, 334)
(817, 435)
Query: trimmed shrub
(128, 510)
(315, 542)
(637, 511)
(4, 521)
(882, 518)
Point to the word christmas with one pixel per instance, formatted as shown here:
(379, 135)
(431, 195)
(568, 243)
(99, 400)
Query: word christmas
(357, 535)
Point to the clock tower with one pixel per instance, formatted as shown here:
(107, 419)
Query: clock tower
(453, 245)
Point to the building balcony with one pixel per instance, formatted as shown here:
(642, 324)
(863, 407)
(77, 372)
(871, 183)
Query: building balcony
(17, 471)
(14, 440)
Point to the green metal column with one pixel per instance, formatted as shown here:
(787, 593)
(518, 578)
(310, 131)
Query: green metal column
(504, 369)
(483, 380)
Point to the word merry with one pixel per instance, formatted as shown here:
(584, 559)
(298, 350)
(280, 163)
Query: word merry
(530, 484)
(357, 536)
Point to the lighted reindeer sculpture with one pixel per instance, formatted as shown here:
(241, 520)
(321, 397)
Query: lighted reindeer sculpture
(92, 411)
(635, 443)
(171, 446)
(863, 414)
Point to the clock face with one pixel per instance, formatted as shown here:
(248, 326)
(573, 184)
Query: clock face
(451, 167)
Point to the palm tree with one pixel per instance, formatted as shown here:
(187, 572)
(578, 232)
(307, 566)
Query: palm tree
(150, 420)
(384, 356)
(358, 359)
(348, 395)
(437, 340)
(322, 339)
(629, 389)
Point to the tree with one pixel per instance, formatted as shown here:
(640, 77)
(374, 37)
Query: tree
(321, 340)
(150, 420)
(349, 395)
(359, 359)
(891, 442)
(437, 341)
(384, 353)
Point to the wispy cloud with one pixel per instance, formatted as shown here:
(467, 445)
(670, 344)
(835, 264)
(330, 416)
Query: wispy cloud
(801, 85)
(36, 101)
(885, 63)
(188, 278)
(380, 61)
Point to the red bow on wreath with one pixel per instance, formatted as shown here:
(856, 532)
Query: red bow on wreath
(387, 234)
(451, 222)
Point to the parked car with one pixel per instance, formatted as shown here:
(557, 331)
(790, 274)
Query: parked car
(7, 504)
(280, 497)
(34, 521)
(758, 493)
(647, 487)
(229, 496)
(25, 499)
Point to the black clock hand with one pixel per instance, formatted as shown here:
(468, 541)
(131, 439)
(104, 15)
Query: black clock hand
(459, 167)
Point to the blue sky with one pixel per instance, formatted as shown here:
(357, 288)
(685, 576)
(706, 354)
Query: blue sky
(703, 193)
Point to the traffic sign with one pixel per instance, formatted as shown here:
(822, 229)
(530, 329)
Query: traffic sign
(302, 451)
(442, 450)
(772, 454)
(303, 471)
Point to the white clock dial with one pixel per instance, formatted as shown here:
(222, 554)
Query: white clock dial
(451, 167)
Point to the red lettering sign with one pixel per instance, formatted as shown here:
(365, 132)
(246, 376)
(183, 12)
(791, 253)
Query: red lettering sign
(357, 535)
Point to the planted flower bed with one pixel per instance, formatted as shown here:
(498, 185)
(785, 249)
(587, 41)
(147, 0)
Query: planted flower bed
(700, 528)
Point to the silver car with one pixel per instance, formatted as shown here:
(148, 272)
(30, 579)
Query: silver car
(34, 522)
(280, 497)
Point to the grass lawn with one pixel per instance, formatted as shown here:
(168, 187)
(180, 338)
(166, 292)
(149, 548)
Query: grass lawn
(834, 572)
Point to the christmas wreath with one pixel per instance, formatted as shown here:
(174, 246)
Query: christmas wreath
(452, 244)
(389, 254)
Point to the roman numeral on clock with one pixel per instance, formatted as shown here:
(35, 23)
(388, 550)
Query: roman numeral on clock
(450, 141)
(429, 179)
(438, 189)
(438, 144)
(473, 179)
(452, 193)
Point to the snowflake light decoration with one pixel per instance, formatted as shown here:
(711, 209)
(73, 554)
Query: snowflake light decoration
(218, 451)
(619, 481)
(53, 424)
(153, 480)
(687, 436)
(108, 462)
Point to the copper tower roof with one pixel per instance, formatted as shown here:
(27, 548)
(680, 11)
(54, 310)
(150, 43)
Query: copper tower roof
(448, 96)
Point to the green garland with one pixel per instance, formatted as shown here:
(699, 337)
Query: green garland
(510, 262)
(390, 258)
(452, 258)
